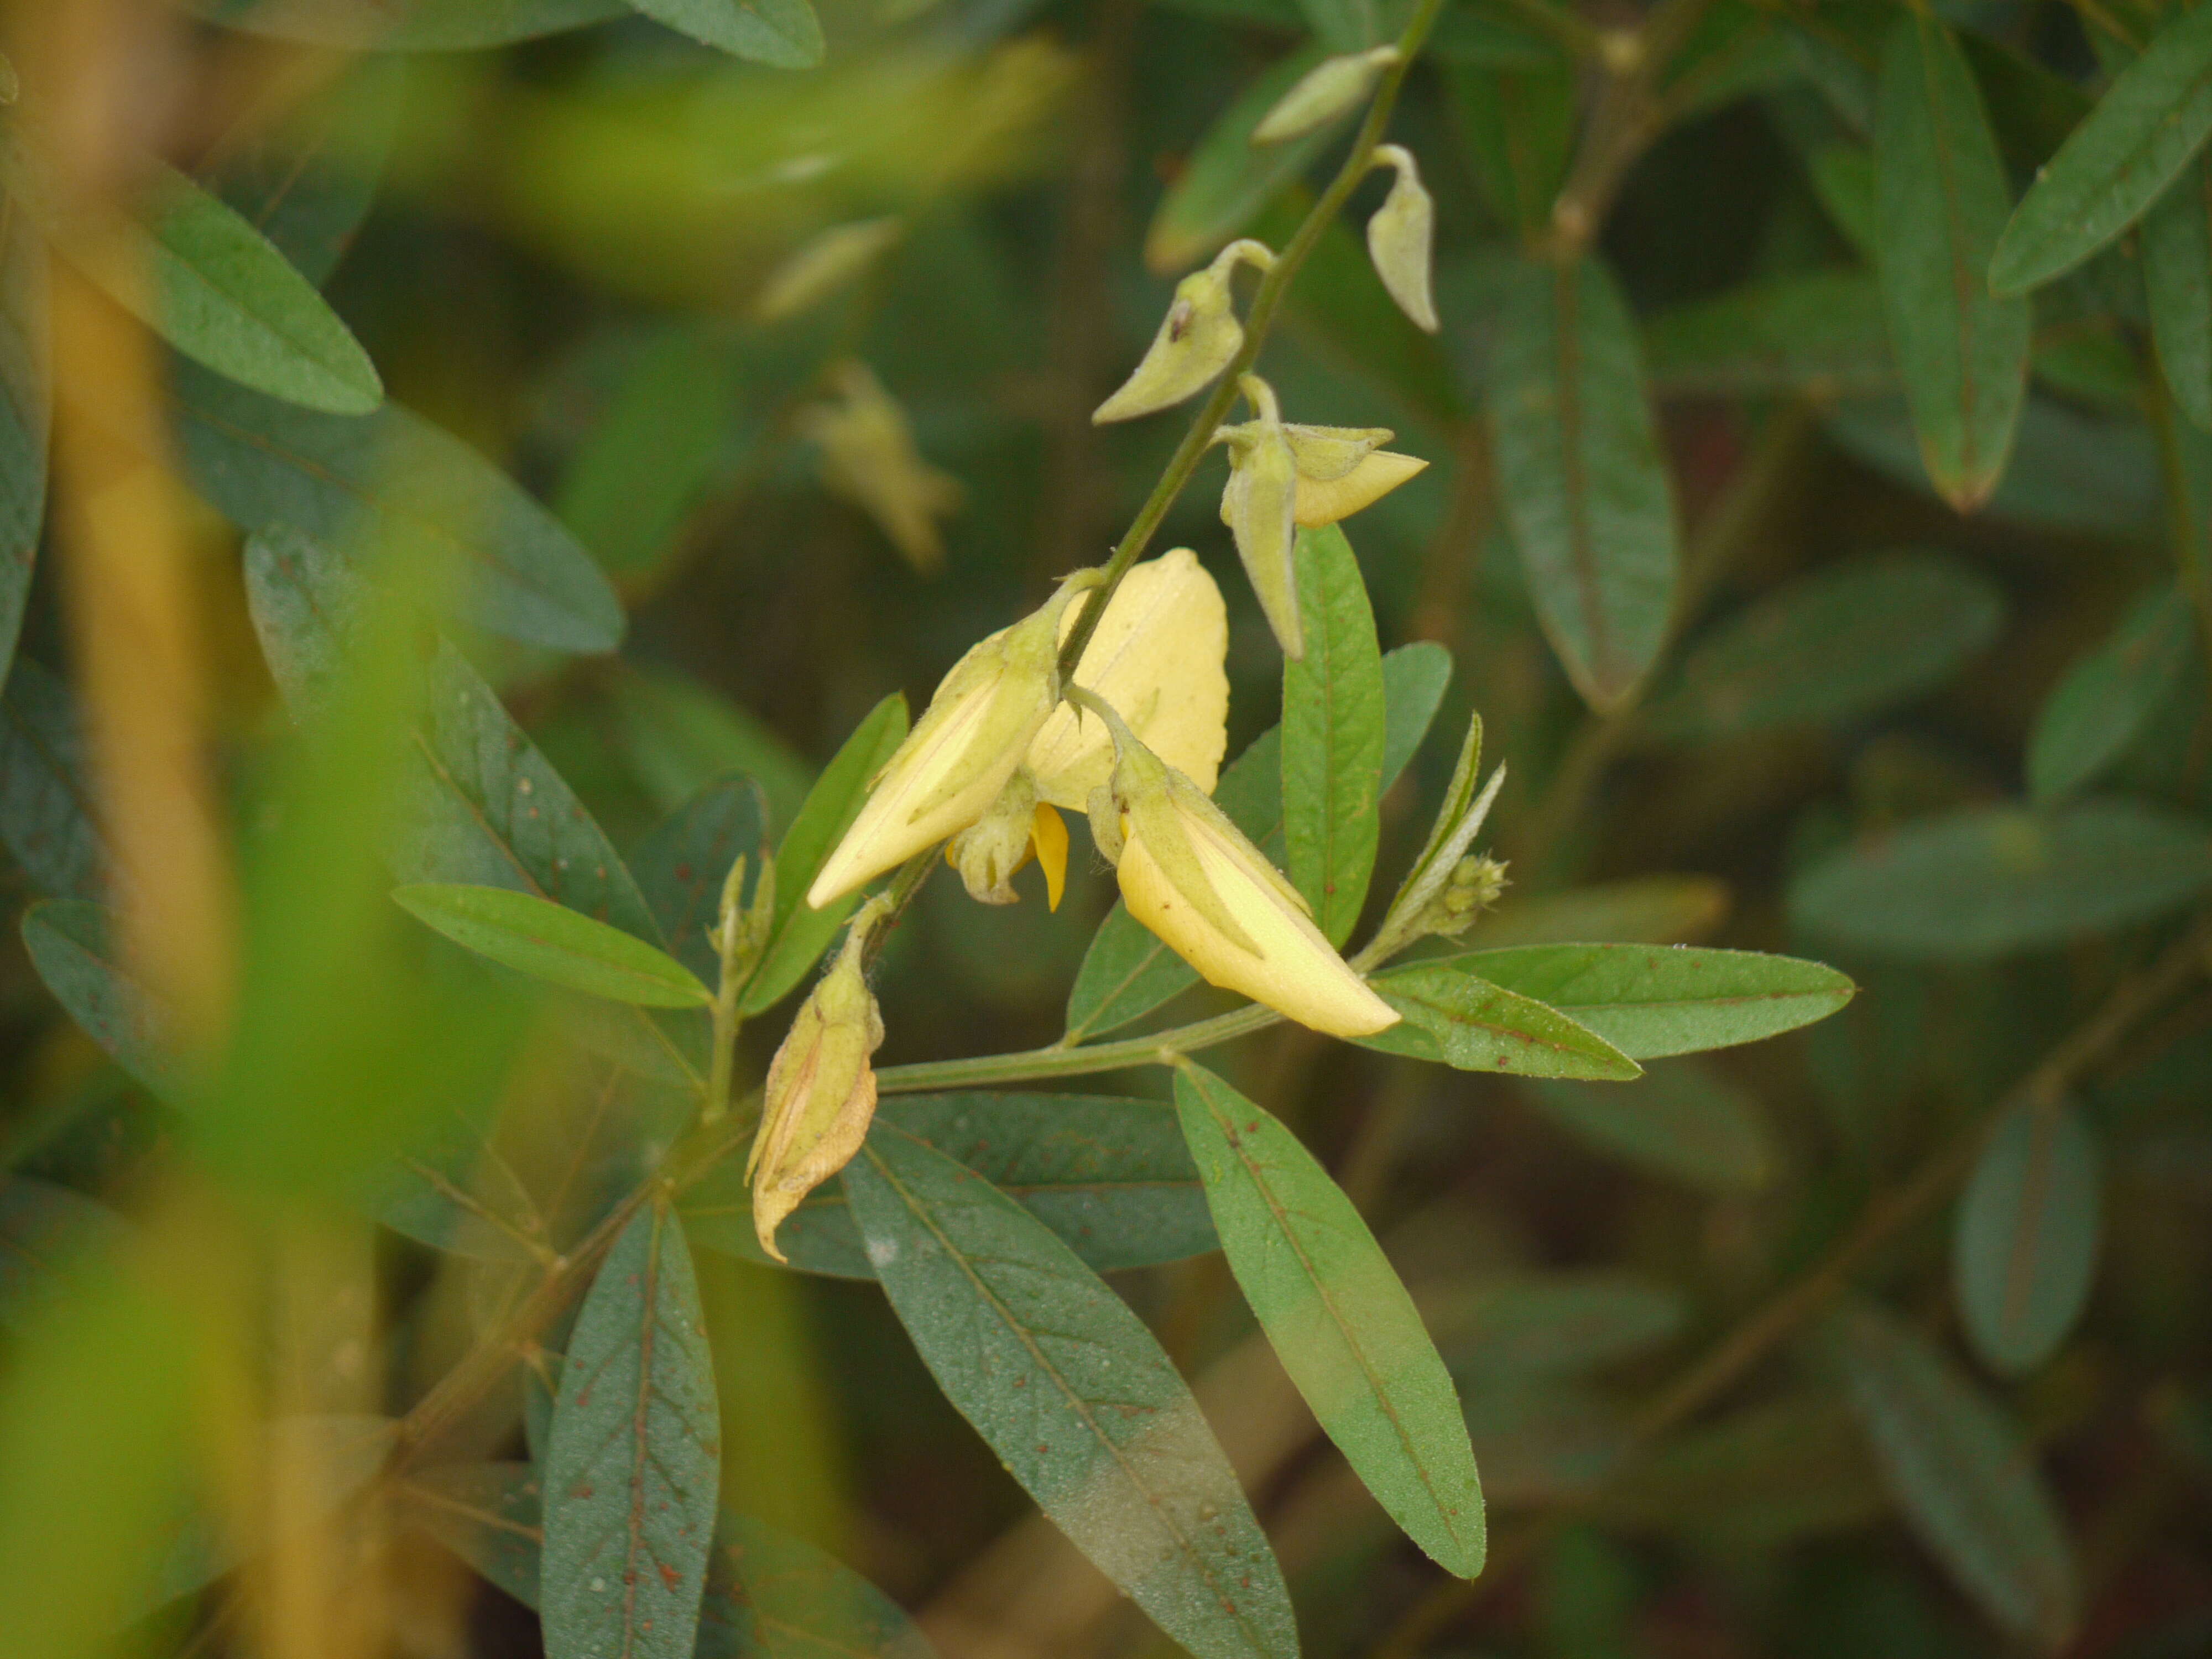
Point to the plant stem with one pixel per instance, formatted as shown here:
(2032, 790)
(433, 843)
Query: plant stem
(1261, 317)
(1033, 1064)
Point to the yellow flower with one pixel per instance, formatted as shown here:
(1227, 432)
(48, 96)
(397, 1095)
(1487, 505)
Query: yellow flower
(1190, 876)
(1197, 339)
(821, 1091)
(1341, 469)
(955, 763)
(869, 457)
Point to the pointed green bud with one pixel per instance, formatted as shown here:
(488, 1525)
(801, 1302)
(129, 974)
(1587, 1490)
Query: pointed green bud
(1329, 89)
(741, 930)
(1399, 238)
(1260, 506)
(1198, 337)
(1475, 883)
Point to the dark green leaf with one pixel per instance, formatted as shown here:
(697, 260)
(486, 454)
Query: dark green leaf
(1465, 1022)
(2176, 268)
(1074, 1395)
(681, 866)
(1413, 680)
(1538, 1327)
(782, 33)
(1818, 334)
(1650, 1003)
(2031, 109)
(1519, 126)
(488, 1514)
(1339, 1319)
(1230, 179)
(25, 409)
(389, 478)
(421, 26)
(1680, 1121)
(2026, 1248)
(47, 1234)
(1858, 636)
(2151, 120)
(1961, 1473)
(801, 934)
(1940, 199)
(634, 1464)
(1842, 177)
(46, 806)
(70, 944)
(1585, 486)
(1333, 722)
(537, 937)
(1989, 880)
(1110, 1176)
(2109, 695)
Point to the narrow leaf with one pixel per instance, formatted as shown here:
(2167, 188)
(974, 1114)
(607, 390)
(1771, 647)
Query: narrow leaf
(547, 941)
(69, 941)
(1474, 1026)
(1820, 333)
(1941, 198)
(1682, 1122)
(782, 33)
(1333, 730)
(2176, 268)
(46, 804)
(26, 411)
(1585, 486)
(2109, 695)
(1339, 1318)
(680, 867)
(48, 1236)
(490, 1514)
(448, 26)
(2150, 122)
(1542, 1327)
(634, 1460)
(1230, 179)
(1074, 1395)
(2025, 1249)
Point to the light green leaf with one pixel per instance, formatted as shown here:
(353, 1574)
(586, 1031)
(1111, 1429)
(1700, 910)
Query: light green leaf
(391, 478)
(1962, 1476)
(1857, 637)
(48, 816)
(1650, 1003)
(801, 933)
(2025, 1249)
(1474, 1026)
(1231, 179)
(2151, 120)
(440, 25)
(1332, 728)
(634, 1464)
(2110, 693)
(1339, 1319)
(1941, 198)
(1075, 1396)
(1820, 333)
(1585, 486)
(539, 938)
(1991, 880)
(681, 866)
(1682, 1120)
(782, 33)
(2176, 269)
(70, 942)
(1110, 1176)
(26, 412)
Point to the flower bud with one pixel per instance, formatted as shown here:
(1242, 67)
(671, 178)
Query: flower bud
(989, 851)
(821, 1090)
(1399, 235)
(956, 761)
(824, 265)
(1324, 92)
(1156, 652)
(1341, 469)
(1198, 337)
(868, 457)
(1474, 885)
(1190, 876)
(1259, 506)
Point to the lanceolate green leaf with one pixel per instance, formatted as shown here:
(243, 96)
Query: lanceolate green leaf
(1585, 486)
(1941, 198)
(2176, 268)
(547, 941)
(46, 806)
(1074, 1395)
(801, 934)
(1650, 1002)
(413, 26)
(1961, 1475)
(1989, 880)
(2025, 1249)
(782, 33)
(2107, 697)
(48, 1236)
(490, 1514)
(1339, 1320)
(1859, 636)
(1127, 972)
(2152, 119)
(1475, 1026)
(1110, 1176)
(634, 1465)
(1821, 332)
(70, 942)
(681, 866)
(25, 409)
(1680, 1121)
(1333, 721)
(1230, 179)
(388, 477)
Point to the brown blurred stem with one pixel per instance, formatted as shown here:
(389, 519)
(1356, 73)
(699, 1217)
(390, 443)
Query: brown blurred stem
(1726, 1364)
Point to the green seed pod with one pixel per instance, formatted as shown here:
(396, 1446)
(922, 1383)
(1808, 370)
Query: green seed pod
(1329, 89)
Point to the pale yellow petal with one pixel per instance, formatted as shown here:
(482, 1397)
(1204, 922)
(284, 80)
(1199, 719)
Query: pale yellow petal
(1157, 658)
(1322, 502)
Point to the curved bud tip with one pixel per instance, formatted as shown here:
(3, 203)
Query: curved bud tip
(1322, 501)
(1332, 88)
(1197, 339)
(1399, 238)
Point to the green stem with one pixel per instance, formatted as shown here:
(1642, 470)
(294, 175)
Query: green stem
(1034, 1064)
(1265, 303)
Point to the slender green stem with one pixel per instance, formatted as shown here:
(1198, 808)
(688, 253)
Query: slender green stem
(1033, 1064)
(1261, 317)
(730, 990)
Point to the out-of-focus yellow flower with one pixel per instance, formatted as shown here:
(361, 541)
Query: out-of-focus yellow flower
(868, 457)
(1398, 236)
(956, 762)
(821, 1090)
(1156, 655)
(1190, 875)
(1259, 506)
(1197, 339)
(824, 265)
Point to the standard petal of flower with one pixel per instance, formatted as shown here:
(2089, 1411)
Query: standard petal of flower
(1324, 502)
(1157, 657)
